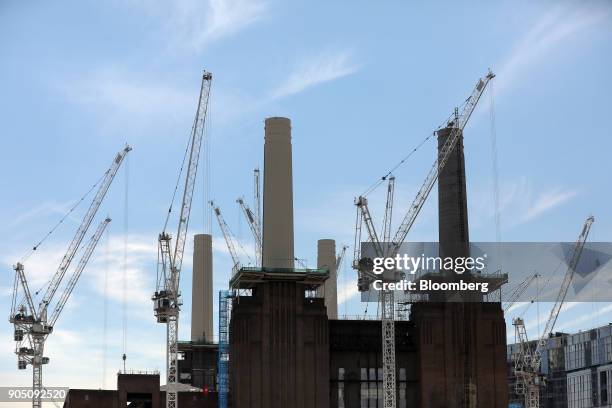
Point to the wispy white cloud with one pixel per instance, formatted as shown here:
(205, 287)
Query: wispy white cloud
(40, 266)
(102, 278)
(116, 276)
(226, 17)
(573, 316)
(246, 249)
(550, 34)
(120, 93)
(346, 292)
(193, 24)
(66, 348)
(107, 263)
(546, 201)
(520, 202)
(536, 323)
(586, 316)
(123, 98)
(43, 209)
(315, 70)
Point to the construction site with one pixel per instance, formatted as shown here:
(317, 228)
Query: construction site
(280, 340)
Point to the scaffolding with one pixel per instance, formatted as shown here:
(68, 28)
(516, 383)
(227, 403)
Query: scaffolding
(225, 305)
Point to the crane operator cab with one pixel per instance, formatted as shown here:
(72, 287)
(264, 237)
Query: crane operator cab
(163, 306)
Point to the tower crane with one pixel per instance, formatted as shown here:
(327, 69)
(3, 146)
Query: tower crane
(390, 249)
(527, 360)
(227, 235)
(167, 296)
(253, 216)
(253, 225)
(340, 257)
(33, 325)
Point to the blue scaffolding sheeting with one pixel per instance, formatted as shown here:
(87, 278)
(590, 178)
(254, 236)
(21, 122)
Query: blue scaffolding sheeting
(223, 365)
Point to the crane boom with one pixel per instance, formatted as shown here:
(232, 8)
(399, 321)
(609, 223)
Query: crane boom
(366, 218)
(227, 236)
(190, 177)
(19, 273)
(569, 275)
(527, 362)
(340, 257)
(82, 230)
(78, 271)
(253, 225)
(461, 119)
(15, 290)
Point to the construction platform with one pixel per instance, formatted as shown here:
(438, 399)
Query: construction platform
(249, 277)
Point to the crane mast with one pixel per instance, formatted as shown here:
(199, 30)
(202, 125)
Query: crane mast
(32, 326)
(166, 298)
(363, 265)
(527, 361)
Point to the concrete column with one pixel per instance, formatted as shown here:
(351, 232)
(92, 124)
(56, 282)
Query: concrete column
(202, 289)
(326, 258)
(278, 195)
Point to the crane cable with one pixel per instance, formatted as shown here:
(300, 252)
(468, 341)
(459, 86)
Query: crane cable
(207, 210)
(244, 251)
(376, 184)
(495, 176)
(44, 286)
(125, 257)
(178, 179)
(61, 221)
(105, 311)
(541, 289)
(494, 165)
(399, 164)
(29, 253)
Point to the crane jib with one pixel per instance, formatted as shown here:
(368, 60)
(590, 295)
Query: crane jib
(461, 120)
(82, 230)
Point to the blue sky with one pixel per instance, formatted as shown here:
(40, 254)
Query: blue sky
(362, 83)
